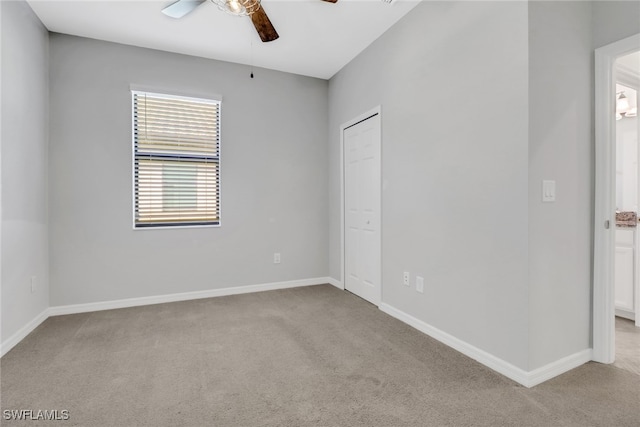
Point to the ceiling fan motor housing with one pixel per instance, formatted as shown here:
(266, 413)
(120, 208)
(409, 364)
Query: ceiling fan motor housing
(238, 7)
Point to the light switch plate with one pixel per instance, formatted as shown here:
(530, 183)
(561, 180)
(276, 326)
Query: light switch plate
(420, 284)
(548, 191)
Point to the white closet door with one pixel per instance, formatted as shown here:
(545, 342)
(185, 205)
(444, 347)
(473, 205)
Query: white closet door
(362, 172)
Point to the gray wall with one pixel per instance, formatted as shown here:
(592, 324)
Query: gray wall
(504, 271)
(25, 93)
(614, 20)
(274, 187)
(452, 79)
(560, 148)
(490, 100)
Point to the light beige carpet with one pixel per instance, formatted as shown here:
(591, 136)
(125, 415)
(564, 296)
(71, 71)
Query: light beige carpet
(627, 346)
(314, 356)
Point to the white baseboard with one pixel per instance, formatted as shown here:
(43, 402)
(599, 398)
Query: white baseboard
(553, 369)
(526, 378)
(335, 282)
(14, 339)
(487, 359)
(625, 314)
(185, 296)
(8, 344)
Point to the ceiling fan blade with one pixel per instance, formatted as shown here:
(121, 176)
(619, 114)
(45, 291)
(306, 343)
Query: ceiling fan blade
(263, 25)
(181, 8)
(330, 1)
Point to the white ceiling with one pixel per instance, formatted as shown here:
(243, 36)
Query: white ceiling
(316, 38)
(631, 62)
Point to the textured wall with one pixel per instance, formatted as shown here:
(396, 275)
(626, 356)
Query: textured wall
(25, 92)
(560, 149)
(274, 190)
(614, 20)
(452, 82)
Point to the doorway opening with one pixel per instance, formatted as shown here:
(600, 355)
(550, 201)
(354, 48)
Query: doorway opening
(627, 239)
(607, 198)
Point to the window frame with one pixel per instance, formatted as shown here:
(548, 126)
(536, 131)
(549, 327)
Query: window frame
(211, 99)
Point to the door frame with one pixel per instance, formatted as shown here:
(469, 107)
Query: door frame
(632, 80)
(605, 185)
(368, 114)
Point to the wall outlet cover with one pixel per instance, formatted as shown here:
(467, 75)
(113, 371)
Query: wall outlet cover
(548, 191)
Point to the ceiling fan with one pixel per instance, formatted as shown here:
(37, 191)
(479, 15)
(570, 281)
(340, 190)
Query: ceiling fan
(251, 8)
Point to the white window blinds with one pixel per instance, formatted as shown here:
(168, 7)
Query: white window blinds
(176, 144)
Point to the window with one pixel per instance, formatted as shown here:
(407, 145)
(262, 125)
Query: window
(176, 145)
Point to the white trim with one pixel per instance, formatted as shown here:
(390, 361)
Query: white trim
(335, 282)
(7, 345)
(1, 245)
(133, 159)
(214, 100)
(553, 369)
(176, 94)
(626, 314)
(603, 251)
(489, 360)
(526, 378)
(185, 296)
(174, 227)
(14, 339)
(374, 111)
(342, 278)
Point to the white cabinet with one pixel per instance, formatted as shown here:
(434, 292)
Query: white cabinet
(624, 278)
(625, 272)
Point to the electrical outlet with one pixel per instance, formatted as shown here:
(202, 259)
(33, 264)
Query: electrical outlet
(276, 258)
(406, 278)
(33, 284)
(420, 284)
(548, 191)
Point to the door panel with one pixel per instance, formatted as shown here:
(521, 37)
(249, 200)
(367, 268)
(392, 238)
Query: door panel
(362, 164)
(624, 278)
